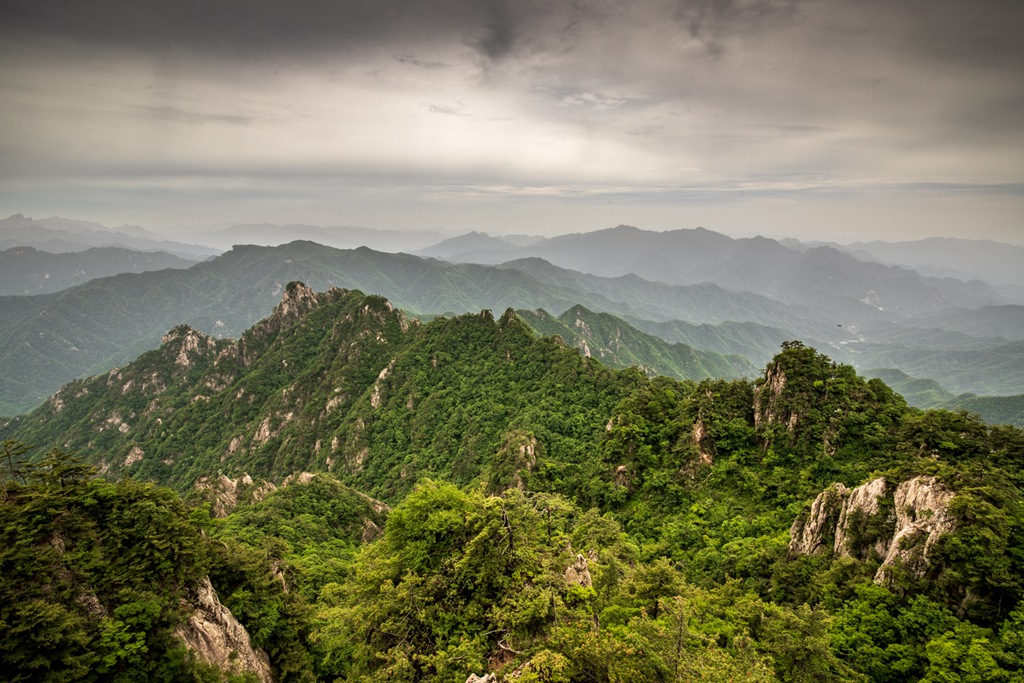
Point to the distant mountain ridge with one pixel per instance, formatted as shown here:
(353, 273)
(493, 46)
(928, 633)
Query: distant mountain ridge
(26, 270)
(47, 340)
(339, 237)
(820, 276)
(995, 262)
(59, 235)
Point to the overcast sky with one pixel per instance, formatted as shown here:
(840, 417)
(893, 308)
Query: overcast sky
(835, 119)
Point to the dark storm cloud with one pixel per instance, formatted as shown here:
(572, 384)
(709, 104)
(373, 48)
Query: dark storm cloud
(516, 97)
(947, 31)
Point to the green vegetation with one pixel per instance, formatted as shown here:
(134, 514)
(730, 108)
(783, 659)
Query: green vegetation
(552, 519)
(619, 345)
(926, 393)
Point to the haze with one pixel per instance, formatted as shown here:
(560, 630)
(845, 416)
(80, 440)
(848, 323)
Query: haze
(816, 119)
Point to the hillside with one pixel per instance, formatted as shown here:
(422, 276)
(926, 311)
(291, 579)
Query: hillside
(821, 276)
(927, 393)
(619, 345)
(50, 339)
(548, 515)
(47, 340)
(24, 270)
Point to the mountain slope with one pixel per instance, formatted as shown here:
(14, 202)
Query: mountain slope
(47, 340)
(618, 345)
(24, 270)
(706, 510)
(325, 381)
(691, 257)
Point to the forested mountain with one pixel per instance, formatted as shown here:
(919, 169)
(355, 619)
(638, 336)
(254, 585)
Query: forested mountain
(551, 519)
(821, 276)
(927, 393)
(618, 345)
(25, 270)
(50, 339)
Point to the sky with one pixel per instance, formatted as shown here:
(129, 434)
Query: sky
(816, 119)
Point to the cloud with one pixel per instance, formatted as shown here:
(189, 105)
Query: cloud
(170, 113)
(430, 66)
(772, 95)
(446, 110)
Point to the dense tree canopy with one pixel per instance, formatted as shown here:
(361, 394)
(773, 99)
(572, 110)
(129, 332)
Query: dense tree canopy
(550, 519)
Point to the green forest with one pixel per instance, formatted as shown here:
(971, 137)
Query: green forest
(378, 499)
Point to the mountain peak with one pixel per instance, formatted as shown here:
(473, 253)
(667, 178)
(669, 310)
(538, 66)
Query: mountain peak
(297, 300)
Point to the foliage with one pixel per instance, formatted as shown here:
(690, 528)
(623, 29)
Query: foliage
(509, 459)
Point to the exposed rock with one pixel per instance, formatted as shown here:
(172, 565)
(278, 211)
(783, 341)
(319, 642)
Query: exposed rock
(134, 455)
(263, 432)
(578, 573)
(262, 491)
(864, 500)
(808, 535)
(371, 531)
(519, 451)
(214, 634)
(375, 398)
(88, 600)
(298, 299)
(486, 678)
(223, 494)
(186, 343)
(298, 478)
(378, 506)
(704, 456)
(922, 517)
(766, 398)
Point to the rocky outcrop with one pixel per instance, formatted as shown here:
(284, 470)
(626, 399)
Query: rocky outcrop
(912, 519)
(221, 492)
(297, 301)
(767, 399)
(922, 517)
(578, 573)
(187, 344)
(704, 457)
(861, 503)
(214, 634)
(808, 536)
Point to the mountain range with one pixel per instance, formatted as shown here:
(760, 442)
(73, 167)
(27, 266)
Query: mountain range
(60, 235)
(964, 335)
(821, 276)
(25, 270)
(355, 494)
(47, 340)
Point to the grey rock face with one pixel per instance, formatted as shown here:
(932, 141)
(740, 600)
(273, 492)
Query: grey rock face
(214, 634)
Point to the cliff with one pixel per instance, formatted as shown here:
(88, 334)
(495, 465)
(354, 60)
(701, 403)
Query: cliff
(899, 529)
(214, 634)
